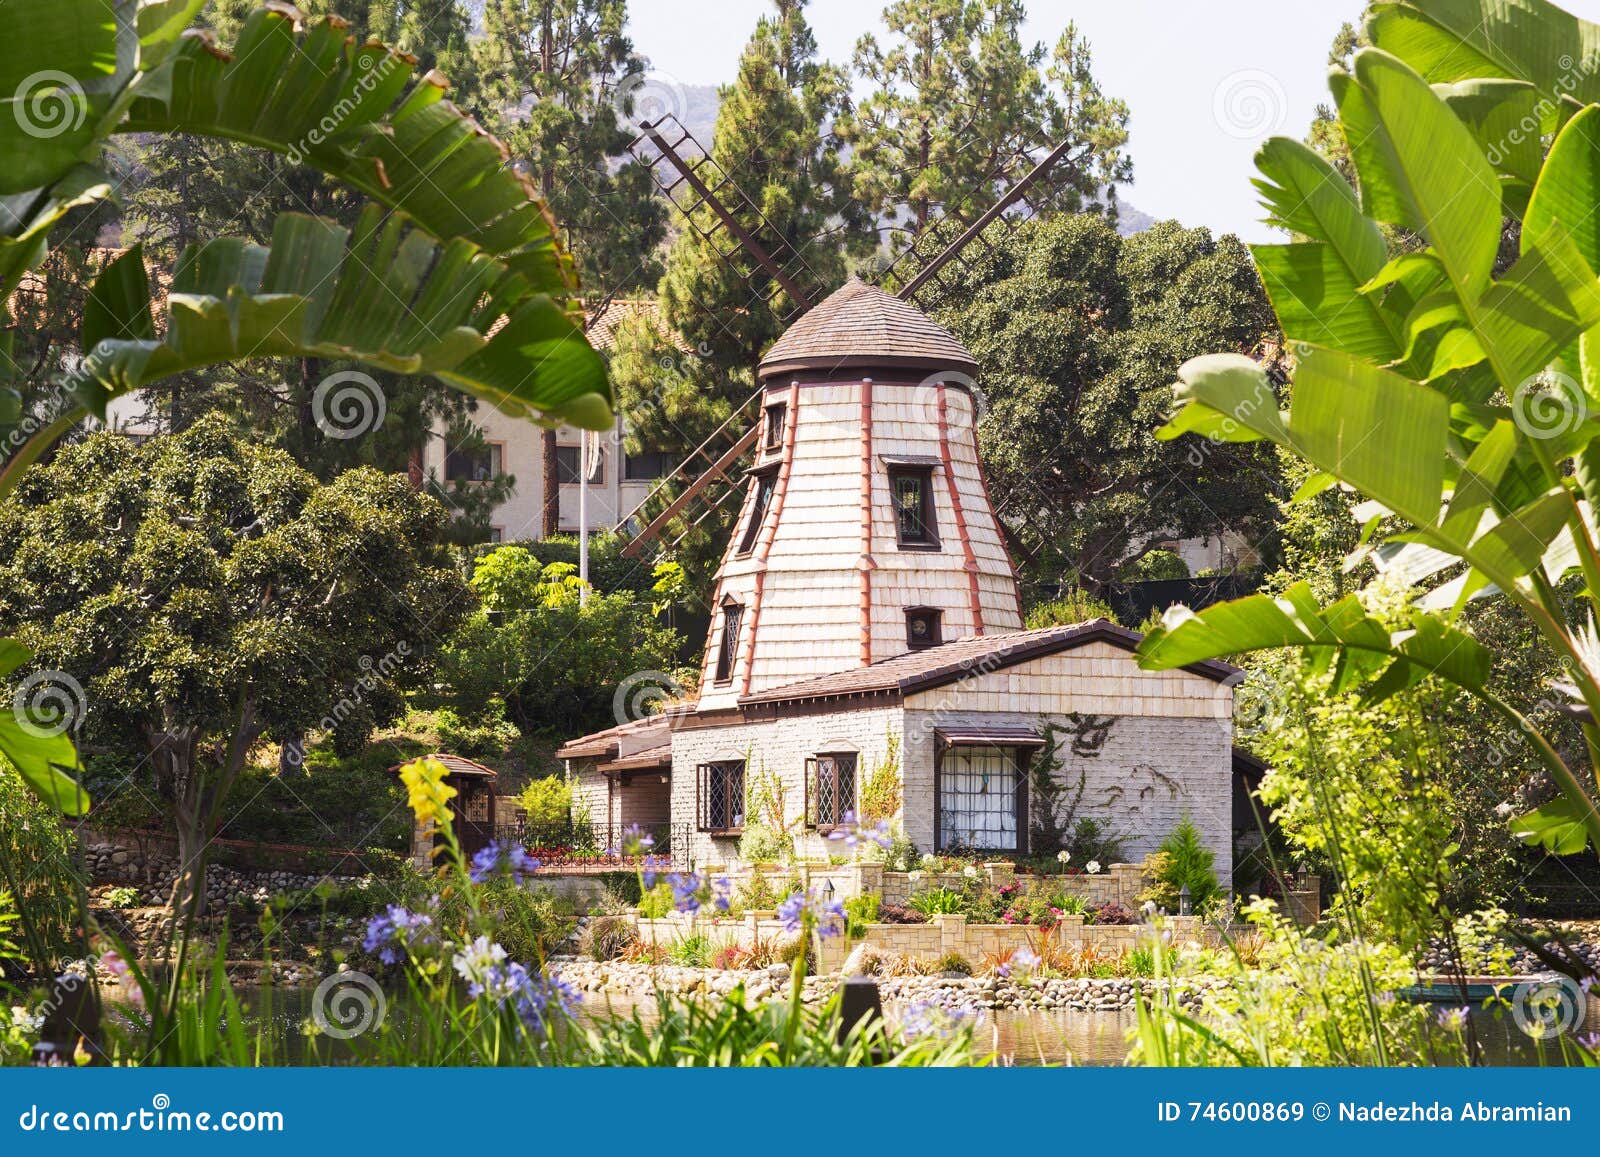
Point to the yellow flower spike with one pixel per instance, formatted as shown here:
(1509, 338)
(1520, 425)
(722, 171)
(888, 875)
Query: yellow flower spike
(426, 791)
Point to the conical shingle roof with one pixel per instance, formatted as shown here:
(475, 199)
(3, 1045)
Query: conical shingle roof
(861, 326)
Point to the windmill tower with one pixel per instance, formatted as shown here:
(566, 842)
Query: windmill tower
(866, 529)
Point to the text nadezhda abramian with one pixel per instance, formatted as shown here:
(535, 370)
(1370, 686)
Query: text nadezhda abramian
(1438, 1111)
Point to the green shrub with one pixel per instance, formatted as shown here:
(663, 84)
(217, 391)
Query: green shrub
(860, 911)
(656, 903)
(1182, 860)
(692, 951)
(939, 902)
(38, 866)
(1076, 606)
(1154, 566)
(606, 937)
(758, 894)
(487, 736)
(761, 844)
(547, 802)
(122, 898)
(953, 962)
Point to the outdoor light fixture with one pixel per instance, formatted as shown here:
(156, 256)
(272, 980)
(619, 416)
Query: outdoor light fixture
(1184, 904)
(828, 889)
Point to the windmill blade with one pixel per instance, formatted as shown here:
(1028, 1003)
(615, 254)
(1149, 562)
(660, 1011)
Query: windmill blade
(691, 181)
(718, 472)
(924, 287)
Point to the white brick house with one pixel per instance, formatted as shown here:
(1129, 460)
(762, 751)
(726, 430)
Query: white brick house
(868, 624)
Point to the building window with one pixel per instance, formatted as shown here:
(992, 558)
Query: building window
(719, 793)
(764, 485)
(981, 802)
(479, 465)
(923, 627)
(830, 790)
(775, 420)
(567, 467)
(496, 534)
(911, 492)
(645, 467)
(727, 649)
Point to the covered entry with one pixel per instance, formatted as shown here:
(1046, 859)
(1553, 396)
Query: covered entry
(980, 779)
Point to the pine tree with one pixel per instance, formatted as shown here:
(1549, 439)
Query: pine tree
(773, 137)
(957, 95)
(557, 74)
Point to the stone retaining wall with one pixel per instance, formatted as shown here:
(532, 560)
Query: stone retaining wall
(940, 936)
(1119, 883)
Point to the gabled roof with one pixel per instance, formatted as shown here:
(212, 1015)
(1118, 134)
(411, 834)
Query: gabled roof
(459, 765)
(638, 735)
(963, 658)
(862, 326)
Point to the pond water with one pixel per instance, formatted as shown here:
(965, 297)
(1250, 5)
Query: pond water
(1019, 1038)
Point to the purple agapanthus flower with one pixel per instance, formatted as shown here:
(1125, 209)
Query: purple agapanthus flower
(397, 933)
(636, 841)
(827, 914)
(685, 891)
(496, 859)
(1454, 1019)
(722, 893)
(539, 1000)
(853, 834)
(650, 869)
(928, 1018)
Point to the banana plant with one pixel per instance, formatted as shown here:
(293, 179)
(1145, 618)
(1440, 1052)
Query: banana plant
(1454, 386)
(453, 269)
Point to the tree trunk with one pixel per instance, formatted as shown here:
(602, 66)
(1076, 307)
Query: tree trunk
(292, 754)
(552, 487)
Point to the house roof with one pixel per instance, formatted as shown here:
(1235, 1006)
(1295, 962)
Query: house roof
(458, 765)
(860, 325)
(962, 658)
(608, 743)
(658, 755)
(601, 327)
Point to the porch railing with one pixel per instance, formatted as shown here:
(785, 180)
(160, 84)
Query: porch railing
(597, 846)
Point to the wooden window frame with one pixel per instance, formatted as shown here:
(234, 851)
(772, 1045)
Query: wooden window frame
(727, 652)
(813, 786)
(935, 637)
(765, 482)
(628, 474)
(600, 460)
(775, 419)
(1023, 756)
(930, 523)
(730, 822)
(496, 453)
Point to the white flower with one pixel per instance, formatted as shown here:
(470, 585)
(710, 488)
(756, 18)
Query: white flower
(970, 872)
(929, 860)
(24, 1020)
(1063, 857)
(1092, 867)
(473, 961)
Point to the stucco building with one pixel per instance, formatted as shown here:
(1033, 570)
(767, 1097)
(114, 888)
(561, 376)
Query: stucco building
(867, 634)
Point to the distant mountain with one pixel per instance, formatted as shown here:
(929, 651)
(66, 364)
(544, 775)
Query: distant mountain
(1131, 219)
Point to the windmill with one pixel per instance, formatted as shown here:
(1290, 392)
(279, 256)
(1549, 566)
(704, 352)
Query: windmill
(923, 274)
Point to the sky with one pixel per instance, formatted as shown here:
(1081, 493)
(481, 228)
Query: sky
(1206, 82)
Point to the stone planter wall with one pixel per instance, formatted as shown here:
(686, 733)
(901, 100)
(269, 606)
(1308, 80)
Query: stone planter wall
(941, 935)
(1120, 883)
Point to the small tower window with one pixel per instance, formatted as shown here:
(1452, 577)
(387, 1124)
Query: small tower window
(764, 484)
(727, 649)
(911, 491)
(923, 627)
(775, 419)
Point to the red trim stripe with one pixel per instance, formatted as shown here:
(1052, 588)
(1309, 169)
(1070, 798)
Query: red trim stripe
(970, 560)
